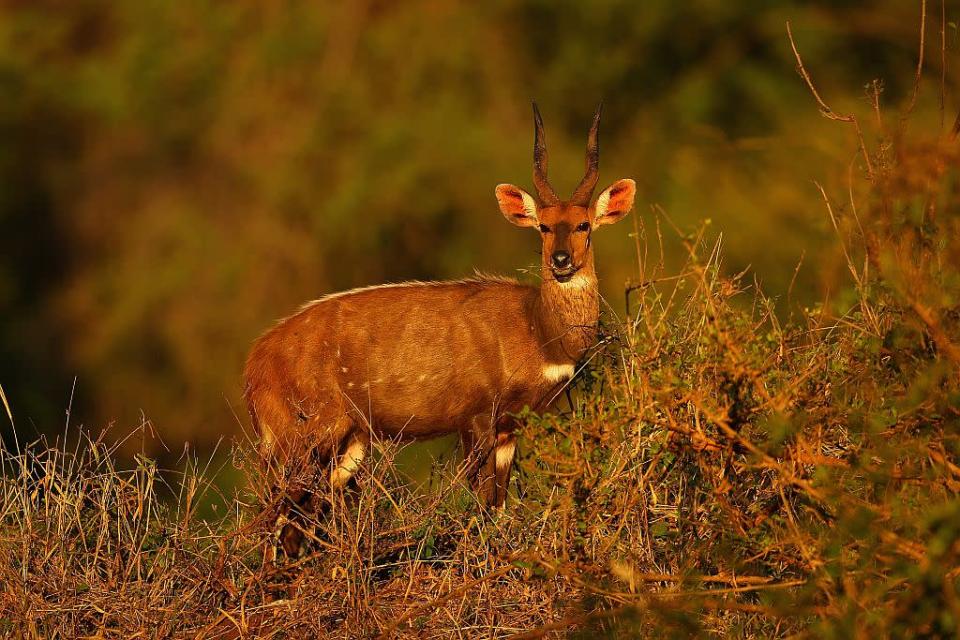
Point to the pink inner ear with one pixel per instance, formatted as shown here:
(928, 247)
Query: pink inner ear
(511, 201)
(621, 198)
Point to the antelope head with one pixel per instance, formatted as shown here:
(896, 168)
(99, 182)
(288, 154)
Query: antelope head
(566, 225)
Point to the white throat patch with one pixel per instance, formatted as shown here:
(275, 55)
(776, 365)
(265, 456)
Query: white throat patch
(557, 372)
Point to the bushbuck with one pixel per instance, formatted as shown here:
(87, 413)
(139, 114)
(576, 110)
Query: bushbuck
(423, 359)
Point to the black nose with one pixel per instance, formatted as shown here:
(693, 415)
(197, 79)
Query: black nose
(560, 259)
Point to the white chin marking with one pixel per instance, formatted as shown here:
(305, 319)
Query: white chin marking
(578, 281)
(505, 454)
(557, 372)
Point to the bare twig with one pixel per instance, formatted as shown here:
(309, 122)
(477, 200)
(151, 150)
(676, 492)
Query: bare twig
(825, 108)
(919, 72)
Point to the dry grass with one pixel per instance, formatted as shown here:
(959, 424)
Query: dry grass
(720, 471)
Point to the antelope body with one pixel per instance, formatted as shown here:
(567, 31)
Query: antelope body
(424, 359)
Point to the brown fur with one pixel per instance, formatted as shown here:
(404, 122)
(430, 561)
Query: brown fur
(409, 360)
(418, 360)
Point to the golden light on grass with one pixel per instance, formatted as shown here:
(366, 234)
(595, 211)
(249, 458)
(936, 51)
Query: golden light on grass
(719, 470)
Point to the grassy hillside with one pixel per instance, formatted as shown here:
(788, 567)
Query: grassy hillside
(718, 470)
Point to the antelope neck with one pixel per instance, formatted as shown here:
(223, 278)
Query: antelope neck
(568, 314)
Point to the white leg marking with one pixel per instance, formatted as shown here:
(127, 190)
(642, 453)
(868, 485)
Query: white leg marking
(349, 463)
(557, 372)
(266, 441)
(505, 454)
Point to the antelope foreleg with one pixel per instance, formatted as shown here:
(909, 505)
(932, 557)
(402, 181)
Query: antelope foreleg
(349, 463)
(479, 445)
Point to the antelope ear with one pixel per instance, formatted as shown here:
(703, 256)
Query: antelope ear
(517, 205)
(615, 202)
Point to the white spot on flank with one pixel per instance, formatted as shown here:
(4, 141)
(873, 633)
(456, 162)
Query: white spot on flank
(349, 385)
(557, 372)
(344, 369)
(505, 454)
(422, 377)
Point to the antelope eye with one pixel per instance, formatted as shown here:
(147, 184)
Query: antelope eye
(544, 228)
(583, 226)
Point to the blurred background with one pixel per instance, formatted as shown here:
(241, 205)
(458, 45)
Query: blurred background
(176, 176)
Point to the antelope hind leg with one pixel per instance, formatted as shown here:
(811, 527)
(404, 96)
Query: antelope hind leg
(503, 454)
(305, 502)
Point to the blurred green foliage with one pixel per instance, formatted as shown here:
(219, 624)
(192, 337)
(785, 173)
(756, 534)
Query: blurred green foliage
(175, 176)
